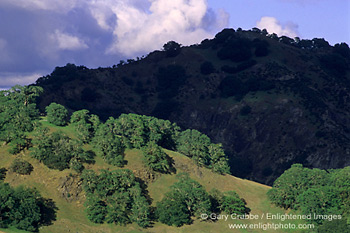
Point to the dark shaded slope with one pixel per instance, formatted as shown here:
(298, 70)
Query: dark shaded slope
(271, 101)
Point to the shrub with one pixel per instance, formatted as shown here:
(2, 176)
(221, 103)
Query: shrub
(21, 167)
(170, 79)
(293, 182)
(335, 63)
(85, 124)
(245, 110)
(155, 158)
(172, 213)
(89, 95)
(172, 48)
(58, 151)
(231, 203)
(224, 35)
(115, 197)
(229, 69)
(2, 173)
(194, 144)
(24, 208)
(236, 50)
(165, 108)
(96, 209)
(57, 114)
(187, 198)
(232, 86)
(337, 225)
(207, 68)
(319, 201)
(342, 49)
(18, 144)
(313, 191)
(128, 81)
(245, 65)
(109, 146)
(261, 51)
(198, 146)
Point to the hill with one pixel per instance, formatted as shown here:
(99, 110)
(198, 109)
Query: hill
(272, 101)
(64, 189)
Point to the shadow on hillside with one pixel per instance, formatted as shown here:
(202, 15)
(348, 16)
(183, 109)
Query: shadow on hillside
(48, 210)
(172, 168)
(90, 157)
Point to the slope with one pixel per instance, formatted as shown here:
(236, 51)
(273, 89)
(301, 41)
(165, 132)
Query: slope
(64, 188)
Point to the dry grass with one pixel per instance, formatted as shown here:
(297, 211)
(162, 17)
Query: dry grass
(71, 216)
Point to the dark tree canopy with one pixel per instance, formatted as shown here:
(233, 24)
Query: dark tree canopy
(207, 68)
(58, 151)
(23, 208)
(172, 48)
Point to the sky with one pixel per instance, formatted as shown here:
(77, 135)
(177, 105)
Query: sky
(38, 35)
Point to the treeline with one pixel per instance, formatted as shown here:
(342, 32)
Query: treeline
(233, 37)
(235, 46)
(110, 139)
(19, 116)
(149, 133)
(323, 194)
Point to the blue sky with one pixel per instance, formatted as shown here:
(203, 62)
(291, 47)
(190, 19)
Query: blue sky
(329, 19)
(38, 35)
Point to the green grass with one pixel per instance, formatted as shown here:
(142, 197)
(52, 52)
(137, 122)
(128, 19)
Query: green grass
(69, 129)
(71, 214)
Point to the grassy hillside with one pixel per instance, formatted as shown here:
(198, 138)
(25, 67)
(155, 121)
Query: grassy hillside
(64, 189)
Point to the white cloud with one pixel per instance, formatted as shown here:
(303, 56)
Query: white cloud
(138, 26)
(139, 30)
(102, 13)
(3, 44)
(65, 41)
(53, 5)
(4, 53)
(10, 79)
(272, 25)
(222, 19)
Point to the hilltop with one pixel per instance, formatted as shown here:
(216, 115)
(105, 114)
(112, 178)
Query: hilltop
(272, 101)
